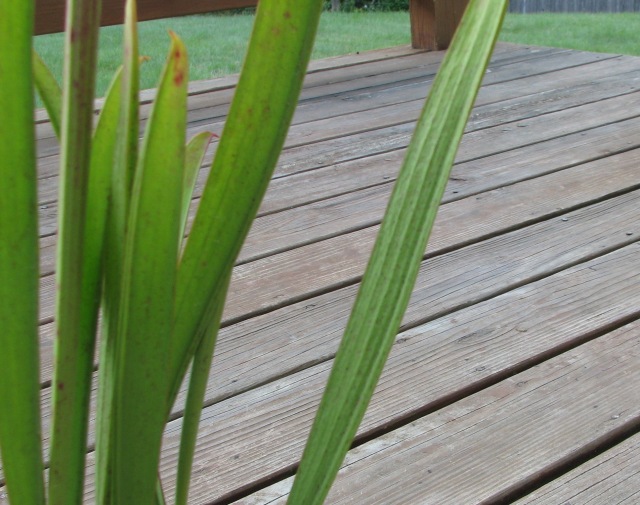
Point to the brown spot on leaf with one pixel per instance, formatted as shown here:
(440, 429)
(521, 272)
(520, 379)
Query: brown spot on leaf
(287, 15)
(178, 78)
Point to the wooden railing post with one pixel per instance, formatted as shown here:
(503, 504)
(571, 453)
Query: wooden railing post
(433, 22)
(423, 24)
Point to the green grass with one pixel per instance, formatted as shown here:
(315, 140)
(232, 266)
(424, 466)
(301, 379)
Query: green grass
(603, 33)
(217, 43)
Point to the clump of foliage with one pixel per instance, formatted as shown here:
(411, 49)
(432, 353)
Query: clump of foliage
(370, 5)
(121, 248)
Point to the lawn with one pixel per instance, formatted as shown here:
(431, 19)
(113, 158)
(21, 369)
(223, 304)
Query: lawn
(217, 42)
(600, 33)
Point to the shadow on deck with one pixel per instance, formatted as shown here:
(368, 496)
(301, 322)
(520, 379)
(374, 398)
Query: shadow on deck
(516, 373)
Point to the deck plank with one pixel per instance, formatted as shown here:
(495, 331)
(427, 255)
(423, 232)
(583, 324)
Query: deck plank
(303, 272)
(346, 98)
(300, 335)
(429, 367)
(612, 477)
(318, 85)
(471, 349)
(571, 403)
(293, 191)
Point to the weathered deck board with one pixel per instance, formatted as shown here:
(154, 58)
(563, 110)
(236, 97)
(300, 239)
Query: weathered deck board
(303, 272)
(356, 95)
(369, 170)
(534, 254)
(323, 85)
(431, 366)
(299, 335)
(49, 167)
(483, 119)
(511, 425)
(612, 477)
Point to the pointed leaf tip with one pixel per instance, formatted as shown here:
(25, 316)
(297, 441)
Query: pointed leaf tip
(179, 60)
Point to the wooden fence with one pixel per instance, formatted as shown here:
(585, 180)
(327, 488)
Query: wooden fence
(532, 6)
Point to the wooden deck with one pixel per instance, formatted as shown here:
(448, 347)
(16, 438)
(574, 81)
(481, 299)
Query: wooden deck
(515, 376)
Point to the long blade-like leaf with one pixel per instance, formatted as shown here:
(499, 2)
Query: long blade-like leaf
(20, 440)
(197, 388)
(123, 169)
(74, 343)
(396, 257)
(147, 295)
(100, 179)
(195, 151)
(253, 136)
(49, 90)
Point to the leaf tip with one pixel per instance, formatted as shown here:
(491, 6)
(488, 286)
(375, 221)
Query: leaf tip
(178, 56)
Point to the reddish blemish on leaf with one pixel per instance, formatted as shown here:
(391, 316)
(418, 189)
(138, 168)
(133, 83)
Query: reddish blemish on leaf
(178, 78)
(60, 386)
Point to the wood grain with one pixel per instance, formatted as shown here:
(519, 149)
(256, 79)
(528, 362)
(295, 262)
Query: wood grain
(423, 24)
(293, 275)
(212, 107)
(534, 254)
(283, 194)
(610, 477)
(571, 403)
(265, 348)
(448, 16)
(50, 13)
(339, 260)
(430, 366)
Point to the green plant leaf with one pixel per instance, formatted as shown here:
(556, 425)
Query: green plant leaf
(399, 248)
(49, 90)
(195, 151)
(100, 178)
(195, 397)
(253, 137)
(147, 294)
(74, 345)
(122, 175)
(20, 440)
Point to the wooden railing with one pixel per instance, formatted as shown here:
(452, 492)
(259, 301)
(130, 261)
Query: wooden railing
(433, 22)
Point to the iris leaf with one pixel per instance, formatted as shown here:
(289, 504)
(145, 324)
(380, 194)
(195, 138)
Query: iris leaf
(74, 345)
(249, 147)
(195, 151)
(20, 440)
(49, 90)
(398, 251)
(147, 293)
